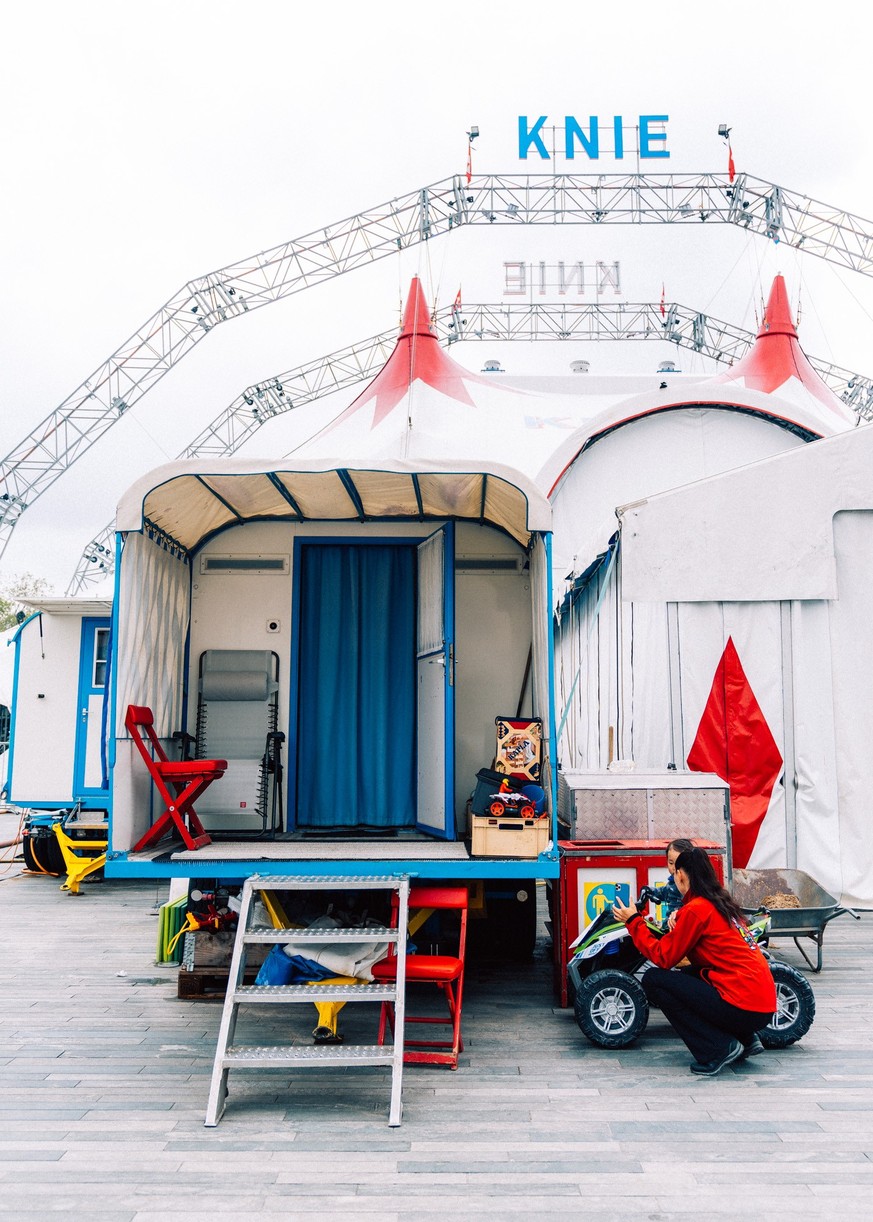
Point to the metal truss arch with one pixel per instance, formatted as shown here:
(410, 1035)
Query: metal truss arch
(593, 322)
(207, 301)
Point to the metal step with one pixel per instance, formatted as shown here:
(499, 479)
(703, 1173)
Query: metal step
(323, 882)
(373, 933)
(254, 1057)
(265, 994)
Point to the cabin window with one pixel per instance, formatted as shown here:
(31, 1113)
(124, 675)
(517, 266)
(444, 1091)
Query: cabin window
(101, 656)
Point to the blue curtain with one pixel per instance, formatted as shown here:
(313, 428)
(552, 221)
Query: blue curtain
(356, 760)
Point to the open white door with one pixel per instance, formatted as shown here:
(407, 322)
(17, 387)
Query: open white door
(435, 684)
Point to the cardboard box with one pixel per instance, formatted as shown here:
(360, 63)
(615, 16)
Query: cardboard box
(506, 837)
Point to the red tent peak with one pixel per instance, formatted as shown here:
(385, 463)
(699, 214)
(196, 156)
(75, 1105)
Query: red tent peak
(417, 356)
(768, 366)
(777, 315)
(416, 316)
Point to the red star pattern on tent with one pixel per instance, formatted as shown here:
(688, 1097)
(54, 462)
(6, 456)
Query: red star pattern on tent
(734, 741)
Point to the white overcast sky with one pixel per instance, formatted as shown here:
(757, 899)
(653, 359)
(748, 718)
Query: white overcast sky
(146, 142)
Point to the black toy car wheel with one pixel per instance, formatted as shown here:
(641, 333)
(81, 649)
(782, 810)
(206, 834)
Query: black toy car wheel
(795, 1008)
(611, 1008)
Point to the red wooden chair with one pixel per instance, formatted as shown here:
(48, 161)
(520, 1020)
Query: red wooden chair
(179, 783)
(444, 971)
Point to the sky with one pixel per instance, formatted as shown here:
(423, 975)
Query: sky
(149, 143)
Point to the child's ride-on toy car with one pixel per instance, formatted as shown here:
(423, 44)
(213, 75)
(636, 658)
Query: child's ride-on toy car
(612, 1009)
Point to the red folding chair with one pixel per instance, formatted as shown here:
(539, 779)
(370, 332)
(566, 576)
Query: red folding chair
(444, 971)
(179, 783)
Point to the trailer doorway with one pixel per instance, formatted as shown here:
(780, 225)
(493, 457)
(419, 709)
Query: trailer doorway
(354, 756)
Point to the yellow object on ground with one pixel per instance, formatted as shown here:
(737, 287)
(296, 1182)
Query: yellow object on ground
(79, 867)
(328, 1011)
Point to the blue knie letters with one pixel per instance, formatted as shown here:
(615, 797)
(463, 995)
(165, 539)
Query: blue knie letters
(651, 143)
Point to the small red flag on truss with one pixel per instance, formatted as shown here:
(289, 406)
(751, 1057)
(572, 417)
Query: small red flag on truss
(663, 303)
(732, 173)
(457, 304)
(469, 160)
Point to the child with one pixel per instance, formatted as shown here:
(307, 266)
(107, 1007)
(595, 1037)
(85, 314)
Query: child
(669, 894)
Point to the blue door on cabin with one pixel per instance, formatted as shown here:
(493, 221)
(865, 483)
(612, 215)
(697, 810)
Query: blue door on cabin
(90, 773)
(362, 651)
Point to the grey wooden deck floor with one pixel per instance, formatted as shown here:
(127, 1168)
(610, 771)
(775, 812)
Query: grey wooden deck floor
(104, 1076)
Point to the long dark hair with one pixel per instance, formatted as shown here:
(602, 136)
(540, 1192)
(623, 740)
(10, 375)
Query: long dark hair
(702, 881)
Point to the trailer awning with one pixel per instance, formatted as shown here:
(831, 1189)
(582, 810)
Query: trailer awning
(189, 502)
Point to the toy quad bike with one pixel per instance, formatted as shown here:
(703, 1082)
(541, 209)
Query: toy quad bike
(612, 1010)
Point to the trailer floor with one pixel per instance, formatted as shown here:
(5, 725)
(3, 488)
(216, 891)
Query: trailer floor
(104, 1075)
(327, 850)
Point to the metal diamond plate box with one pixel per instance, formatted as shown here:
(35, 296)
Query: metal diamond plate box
(645, 806)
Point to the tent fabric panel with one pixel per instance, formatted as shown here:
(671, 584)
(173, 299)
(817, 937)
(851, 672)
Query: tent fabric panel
(740, 548)
(587, 680)
(386, 493)
(186, 510)
(651, 456)
(153, 615)
(791, 410)
(853, 699)
(319, 494)
(459, 496)
(252, 496)
(646, 684)
(505, 506)
(813, 769)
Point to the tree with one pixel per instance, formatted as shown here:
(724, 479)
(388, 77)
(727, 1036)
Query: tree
(25, 585)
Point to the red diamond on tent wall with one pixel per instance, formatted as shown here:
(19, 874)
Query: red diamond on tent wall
(734, 741)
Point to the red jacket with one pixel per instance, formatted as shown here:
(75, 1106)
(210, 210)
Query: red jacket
(733, 964)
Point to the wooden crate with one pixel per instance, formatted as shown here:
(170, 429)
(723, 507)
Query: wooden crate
(205, 965)
(208, 984)
(503, 836)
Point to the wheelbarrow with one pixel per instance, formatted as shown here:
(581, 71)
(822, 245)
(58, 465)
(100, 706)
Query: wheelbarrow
(817, 907)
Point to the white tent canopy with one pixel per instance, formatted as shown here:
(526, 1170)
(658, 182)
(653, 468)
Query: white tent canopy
(188, 502)
(763, 531)
(745, 625)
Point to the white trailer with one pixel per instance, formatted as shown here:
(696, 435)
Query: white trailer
(57, 750)
(400, 609)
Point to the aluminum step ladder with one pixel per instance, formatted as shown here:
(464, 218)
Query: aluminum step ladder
(229, 1055)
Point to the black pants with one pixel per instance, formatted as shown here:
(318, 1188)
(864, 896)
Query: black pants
(698, 1014)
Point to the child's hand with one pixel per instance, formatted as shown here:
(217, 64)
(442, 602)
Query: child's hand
(671, 920)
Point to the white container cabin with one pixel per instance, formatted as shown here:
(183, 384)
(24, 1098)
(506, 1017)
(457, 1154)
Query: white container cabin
(395, 610)
(58, 745)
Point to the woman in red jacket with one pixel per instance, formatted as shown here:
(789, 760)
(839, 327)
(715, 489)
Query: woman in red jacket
(727, 995)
